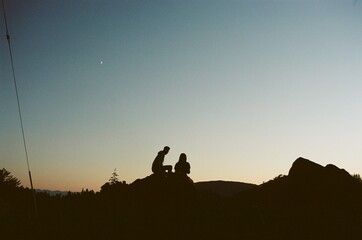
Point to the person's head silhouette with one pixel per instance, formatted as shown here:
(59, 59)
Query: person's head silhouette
(166, 149)
(183, 157)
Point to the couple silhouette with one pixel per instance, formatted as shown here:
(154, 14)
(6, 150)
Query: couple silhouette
(182, 167)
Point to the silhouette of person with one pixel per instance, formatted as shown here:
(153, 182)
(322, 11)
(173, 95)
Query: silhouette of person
(157, 165)
(182, 167)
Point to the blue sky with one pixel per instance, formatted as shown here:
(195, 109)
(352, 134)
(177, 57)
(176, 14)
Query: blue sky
(242, 87)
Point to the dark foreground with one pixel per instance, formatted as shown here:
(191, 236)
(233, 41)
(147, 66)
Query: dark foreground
(312, 202)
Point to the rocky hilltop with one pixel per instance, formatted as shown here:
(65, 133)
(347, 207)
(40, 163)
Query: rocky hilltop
(311, 202)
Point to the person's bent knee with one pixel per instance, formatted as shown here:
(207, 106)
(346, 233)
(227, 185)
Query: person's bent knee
(168, 168)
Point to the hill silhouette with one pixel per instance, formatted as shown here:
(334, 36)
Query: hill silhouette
(311, 202)
(224, 188)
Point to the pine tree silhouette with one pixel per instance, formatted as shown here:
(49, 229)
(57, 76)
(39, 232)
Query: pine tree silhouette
(114, 178)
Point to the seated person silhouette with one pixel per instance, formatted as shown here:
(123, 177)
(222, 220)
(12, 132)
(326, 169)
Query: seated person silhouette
(157, 165)
(182, 167)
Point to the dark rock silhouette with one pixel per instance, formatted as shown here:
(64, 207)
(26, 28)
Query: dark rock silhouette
(303, 167)
(312, 202)
(155, 187)
(329, 184)
(308, 171)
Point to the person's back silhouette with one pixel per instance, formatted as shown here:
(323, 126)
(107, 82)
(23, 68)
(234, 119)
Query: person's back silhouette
(182, 167)
(157, 165)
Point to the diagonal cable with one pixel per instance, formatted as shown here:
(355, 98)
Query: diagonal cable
(19, 108)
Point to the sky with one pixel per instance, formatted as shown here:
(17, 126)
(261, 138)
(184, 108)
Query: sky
(242, 87)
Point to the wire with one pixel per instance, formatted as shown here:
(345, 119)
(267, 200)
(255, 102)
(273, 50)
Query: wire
(19, 108)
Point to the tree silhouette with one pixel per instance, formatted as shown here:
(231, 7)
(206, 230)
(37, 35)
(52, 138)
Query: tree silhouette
(114, 178)
(6, 179)
(357, 177)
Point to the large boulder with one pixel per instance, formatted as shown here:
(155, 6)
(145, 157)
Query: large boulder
(311, 181)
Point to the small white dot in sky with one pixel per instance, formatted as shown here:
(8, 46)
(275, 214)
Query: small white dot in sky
(101, 62)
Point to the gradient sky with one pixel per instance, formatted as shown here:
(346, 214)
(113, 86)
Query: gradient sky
(242, 87)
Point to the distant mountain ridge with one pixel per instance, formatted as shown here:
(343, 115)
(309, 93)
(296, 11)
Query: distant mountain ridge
(52, 192)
